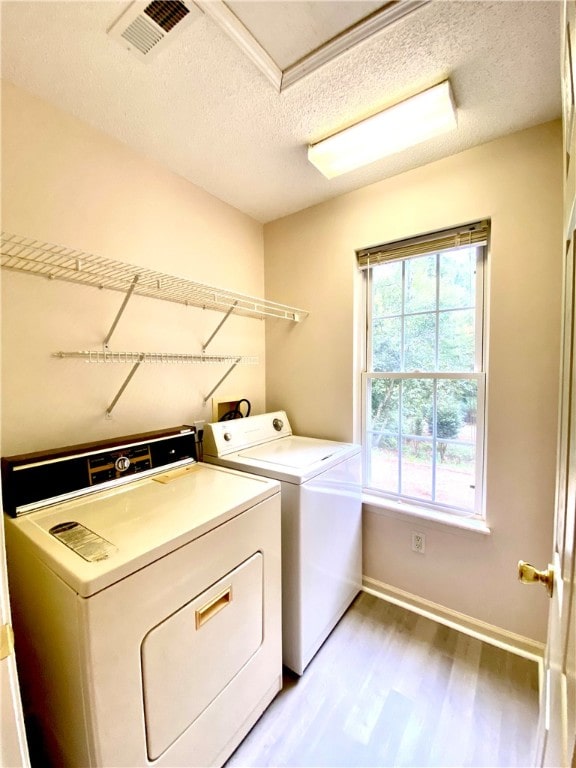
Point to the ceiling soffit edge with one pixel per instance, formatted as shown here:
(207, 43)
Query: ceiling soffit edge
(324, 54)
(233, 27)
(349, 38)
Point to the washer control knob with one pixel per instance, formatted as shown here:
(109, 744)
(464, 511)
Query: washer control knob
(227, 436)
(122, 463)
(278, 424)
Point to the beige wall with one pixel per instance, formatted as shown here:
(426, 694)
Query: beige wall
(66, 183)
(312, 369)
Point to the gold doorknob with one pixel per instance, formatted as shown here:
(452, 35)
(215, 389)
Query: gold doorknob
(530, 575)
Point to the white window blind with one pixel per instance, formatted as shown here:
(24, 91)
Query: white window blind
(458, 237)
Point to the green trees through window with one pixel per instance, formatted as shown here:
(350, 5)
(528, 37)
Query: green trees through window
(424, 384)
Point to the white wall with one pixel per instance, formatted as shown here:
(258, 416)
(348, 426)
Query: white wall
(66, 183)
(312, 368)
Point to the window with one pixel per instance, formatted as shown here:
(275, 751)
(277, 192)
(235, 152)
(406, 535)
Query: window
(423, 389)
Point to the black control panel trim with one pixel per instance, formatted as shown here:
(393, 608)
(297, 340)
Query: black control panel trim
(34, 481)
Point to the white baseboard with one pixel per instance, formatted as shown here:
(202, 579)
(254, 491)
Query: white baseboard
(509, 641)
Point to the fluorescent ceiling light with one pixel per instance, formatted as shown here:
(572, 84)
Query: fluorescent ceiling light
(410, 122)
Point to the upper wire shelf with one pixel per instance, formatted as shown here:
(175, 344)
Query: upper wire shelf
(57, 262)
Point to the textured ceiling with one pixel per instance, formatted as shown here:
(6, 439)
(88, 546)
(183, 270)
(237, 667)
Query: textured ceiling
(205, 111)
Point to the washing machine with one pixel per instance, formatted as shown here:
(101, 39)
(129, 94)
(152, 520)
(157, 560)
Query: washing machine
(145, 589)
(321, 483)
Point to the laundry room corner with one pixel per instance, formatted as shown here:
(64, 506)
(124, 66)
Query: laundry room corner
(77, 189)
(313, 371)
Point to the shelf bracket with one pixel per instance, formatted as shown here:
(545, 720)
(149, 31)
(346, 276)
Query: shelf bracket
(120, 311)
(220, 324)
(123, 387)
(228, 372)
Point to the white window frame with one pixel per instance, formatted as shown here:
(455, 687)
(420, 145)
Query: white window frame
(479, 375)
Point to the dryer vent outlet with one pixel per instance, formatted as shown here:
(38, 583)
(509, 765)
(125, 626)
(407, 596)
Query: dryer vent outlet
(224, 408)
(146, 28)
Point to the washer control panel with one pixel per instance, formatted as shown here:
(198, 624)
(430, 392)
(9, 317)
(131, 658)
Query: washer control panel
(223, 437)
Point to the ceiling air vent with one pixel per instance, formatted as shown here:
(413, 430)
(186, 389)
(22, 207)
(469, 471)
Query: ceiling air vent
(146, 28)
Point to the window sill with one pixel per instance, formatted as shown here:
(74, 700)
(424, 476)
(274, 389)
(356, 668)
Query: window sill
(402, 511)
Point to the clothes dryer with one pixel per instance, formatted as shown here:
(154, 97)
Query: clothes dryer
(321, 520)
(146, 608)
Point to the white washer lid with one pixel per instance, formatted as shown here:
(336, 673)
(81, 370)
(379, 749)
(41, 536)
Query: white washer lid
(290, 459)
(295, 452)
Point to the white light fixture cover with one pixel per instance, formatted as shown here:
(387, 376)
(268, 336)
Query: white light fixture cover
(403, 125)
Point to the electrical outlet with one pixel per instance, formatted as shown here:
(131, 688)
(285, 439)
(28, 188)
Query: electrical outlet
(418, 543)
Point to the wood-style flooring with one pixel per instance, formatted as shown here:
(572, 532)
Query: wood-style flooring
(392, 688)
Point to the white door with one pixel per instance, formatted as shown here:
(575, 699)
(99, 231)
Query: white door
(557, 728)
(13, 748)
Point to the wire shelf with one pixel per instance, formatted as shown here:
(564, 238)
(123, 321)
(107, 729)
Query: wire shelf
(55, 262)
(135, 359)
(107, 356)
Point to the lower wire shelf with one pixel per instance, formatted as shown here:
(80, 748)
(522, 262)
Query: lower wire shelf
(137, 358)
(107, 356)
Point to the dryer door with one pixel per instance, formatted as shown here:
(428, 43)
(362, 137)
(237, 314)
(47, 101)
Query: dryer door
(190, 657)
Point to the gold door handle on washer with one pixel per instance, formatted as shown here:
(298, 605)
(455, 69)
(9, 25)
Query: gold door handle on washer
(530, 575)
